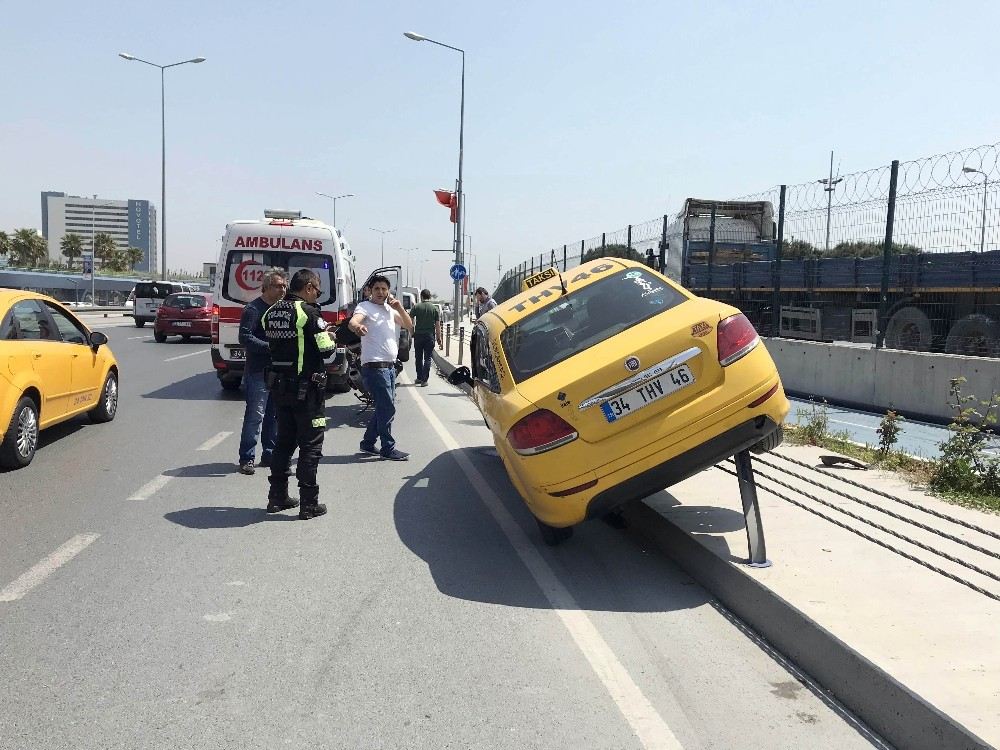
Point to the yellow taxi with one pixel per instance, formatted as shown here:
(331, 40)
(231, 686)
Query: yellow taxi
(52, 368)
(609, 382)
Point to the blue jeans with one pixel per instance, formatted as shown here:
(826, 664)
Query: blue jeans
(381, 384)
(259, 416)
(423, 344)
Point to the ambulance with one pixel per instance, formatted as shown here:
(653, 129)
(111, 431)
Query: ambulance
(291, 242)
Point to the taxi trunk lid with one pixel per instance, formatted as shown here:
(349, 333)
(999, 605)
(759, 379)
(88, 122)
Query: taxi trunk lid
(632, 381)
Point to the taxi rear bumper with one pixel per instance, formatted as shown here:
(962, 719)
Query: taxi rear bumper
(680, 467)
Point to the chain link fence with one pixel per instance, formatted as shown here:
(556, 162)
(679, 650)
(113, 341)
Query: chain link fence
(905, 255)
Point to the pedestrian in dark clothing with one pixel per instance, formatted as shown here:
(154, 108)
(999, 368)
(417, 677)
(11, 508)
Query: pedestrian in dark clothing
(300, 349)
(426, 330)
(259, 415)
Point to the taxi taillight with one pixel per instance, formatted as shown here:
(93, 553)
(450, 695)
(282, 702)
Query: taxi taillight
(736, 338)
(215, 324)
(540, 431)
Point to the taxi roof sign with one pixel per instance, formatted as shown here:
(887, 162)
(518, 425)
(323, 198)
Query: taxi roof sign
(538, 278)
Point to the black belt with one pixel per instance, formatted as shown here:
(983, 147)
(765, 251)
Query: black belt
(378, 365)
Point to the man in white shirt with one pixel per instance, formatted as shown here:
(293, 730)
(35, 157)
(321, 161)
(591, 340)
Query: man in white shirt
(378, 322)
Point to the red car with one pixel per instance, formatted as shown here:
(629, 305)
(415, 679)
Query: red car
(184, 314)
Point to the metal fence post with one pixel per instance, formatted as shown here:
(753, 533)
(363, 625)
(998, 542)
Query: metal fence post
(629, 237)
(776, 267)
(890, 218)
(663, 246)
(711, 248)
(602, 244)
(447, 340)
(461, 343)
(751, 511)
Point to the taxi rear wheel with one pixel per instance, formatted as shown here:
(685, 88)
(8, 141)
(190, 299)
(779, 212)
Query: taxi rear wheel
(21, 439)
(108, 406)
(553, 535)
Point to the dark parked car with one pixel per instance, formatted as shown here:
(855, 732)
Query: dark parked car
(185, 314)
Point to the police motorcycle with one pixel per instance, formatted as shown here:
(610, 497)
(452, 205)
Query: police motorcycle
(351, 342)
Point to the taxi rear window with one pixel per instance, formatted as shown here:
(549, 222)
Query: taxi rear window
(581, 319)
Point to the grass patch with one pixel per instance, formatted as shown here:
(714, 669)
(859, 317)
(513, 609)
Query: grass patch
(927, 474)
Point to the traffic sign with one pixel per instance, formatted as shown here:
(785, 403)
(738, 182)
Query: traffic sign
(458, 272)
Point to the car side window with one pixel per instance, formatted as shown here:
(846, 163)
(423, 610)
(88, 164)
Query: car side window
(27, 322)
(69, 330)
(482, 359)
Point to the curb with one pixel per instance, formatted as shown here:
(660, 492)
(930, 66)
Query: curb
(887, 706)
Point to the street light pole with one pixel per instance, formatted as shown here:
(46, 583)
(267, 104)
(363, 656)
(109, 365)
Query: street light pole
(383, 232)
(163, 148)
(460, 199)
(335, 199)
(407, 251)
(986, 179)
(831, 185)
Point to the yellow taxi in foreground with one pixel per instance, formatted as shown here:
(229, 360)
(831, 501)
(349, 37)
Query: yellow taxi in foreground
(609, 382)
(52, 368)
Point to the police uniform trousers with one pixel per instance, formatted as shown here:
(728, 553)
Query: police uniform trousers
(301, 423)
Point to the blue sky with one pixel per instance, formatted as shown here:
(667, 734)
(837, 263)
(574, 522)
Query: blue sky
(580, 117)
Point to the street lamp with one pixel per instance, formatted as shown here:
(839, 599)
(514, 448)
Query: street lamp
(460, 198)
(407, 251)
(383, 232)
(335, 199)
(986, 179)
(831, 185)
(163, 153)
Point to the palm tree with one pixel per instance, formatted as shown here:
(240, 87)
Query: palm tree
(132, 256)
(71, 246)
(27, 248)
(4, 243)
(104, 248)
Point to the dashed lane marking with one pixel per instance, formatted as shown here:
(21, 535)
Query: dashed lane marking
(189, 354)
(43, 569)
(650, 728)
(213, 441)
(150, 488)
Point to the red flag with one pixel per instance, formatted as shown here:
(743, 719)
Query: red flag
(447, 198)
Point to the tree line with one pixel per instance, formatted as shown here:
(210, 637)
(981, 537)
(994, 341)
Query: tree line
(26, 248)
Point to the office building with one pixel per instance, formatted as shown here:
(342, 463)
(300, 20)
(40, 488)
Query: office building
(132, 223)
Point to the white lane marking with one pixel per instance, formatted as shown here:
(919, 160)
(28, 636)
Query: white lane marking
(213, 441)
(853, 424)
(150, 488)
(190, 354)
(43, 569)
(136, 338)
(652, 731)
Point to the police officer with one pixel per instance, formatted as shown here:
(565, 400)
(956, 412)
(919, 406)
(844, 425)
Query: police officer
(300, 347)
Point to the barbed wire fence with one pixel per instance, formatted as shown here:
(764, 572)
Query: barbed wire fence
(913, 245)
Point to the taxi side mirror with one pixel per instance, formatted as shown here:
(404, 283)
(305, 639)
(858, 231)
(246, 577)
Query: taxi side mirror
(97, 340)
(460, 376)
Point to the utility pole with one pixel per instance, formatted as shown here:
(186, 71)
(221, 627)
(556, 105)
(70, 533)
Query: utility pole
(831, 185)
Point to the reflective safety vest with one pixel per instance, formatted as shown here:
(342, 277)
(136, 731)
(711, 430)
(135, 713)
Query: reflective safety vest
(298, 336)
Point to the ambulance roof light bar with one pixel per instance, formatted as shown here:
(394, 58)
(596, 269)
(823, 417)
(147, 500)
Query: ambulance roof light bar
(271, 213)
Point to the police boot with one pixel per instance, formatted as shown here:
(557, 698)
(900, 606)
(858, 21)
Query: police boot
(311, 507)
(278, 499)
(311, 511)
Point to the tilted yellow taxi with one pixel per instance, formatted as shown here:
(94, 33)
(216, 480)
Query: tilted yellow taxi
(609, 382)
(52, 368)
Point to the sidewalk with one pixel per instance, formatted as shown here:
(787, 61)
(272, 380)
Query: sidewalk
(905, 632)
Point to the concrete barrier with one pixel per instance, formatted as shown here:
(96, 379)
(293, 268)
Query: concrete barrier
(915, 384)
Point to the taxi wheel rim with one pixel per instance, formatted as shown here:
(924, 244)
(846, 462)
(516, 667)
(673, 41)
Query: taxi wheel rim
(27, 432)
(111, 397)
